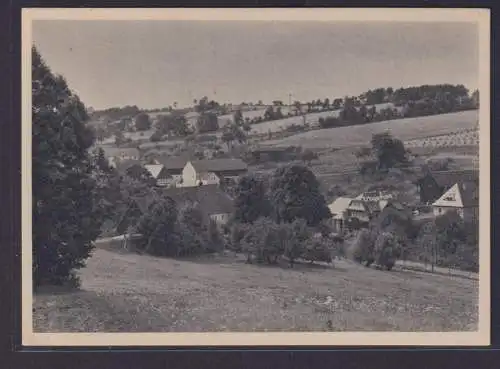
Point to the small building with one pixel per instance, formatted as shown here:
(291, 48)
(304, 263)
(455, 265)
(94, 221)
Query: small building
(192, 119)
(360, 210)
(159, 173)
(356, 212)
(338, 208)
(173, 167)
(463, 198)
(117, 154)
(212, 171)
(378, 195)
(214, 204)
(432, 185)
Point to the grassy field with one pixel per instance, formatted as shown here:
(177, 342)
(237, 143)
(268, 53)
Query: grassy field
(133, 293)
(404, 129)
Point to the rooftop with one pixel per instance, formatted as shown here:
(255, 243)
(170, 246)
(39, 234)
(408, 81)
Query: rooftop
(211, 199)
(219, 165)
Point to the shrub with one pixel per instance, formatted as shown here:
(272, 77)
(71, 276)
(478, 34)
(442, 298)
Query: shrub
(159, 230)
(362, 249)
(387, 250)
(238, 232)
(215, 241)
(317, 249)
(194, 236)
(296, 237)
(264, 241)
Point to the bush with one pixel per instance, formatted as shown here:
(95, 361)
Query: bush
(215, 240)
(362, 249)
(329, 122)
(265, 241)
(237, 233)
(317, 249)
(159, 229)
(296, 237)
(194, 235)
(387, 250)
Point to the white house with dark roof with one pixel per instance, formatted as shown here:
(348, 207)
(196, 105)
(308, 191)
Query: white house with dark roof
(463, 198)
(213, 171)
(173, 168)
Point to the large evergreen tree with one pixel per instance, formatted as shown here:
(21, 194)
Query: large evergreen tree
(67, 210)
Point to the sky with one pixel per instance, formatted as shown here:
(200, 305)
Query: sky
(153, 64)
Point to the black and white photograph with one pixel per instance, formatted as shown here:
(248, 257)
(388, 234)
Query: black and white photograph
(261, 176)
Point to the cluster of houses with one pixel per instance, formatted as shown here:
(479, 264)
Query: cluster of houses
(201, 182)
(440, 192)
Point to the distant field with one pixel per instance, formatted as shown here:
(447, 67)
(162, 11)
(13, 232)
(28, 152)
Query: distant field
(404, 129)
(311, 119)
(466, 137)
(132, 293)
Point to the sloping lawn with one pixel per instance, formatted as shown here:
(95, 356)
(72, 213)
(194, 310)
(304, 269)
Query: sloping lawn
(137, 293)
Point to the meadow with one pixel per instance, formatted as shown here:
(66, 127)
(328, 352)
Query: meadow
(124, 292)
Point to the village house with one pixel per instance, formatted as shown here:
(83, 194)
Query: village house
(432, 185)
(192, 119)
(214, 204)
(462, 197)
(159, 173)
(116, 154)
(173, 167)
(338, 208)
(378, 195)
(360, 211)
(212, 171)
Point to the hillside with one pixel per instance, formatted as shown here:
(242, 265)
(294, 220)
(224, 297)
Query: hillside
(133, 293)
(404, 129)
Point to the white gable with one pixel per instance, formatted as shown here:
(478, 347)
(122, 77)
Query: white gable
(451, 198)
(154, 169)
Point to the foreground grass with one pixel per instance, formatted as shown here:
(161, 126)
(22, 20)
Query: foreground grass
(134, 293)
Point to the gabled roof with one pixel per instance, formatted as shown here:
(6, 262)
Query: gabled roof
(460, 195)
(219, 165)
(172, 162)
(211, 199)
(447, 179)
(339, 206)
(123, 165)
(154, 169)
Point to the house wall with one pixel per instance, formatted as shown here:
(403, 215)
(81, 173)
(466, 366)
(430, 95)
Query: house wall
(220, 219)
(440, 210)
(337, 225)
(189, 176)
(209, 178)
